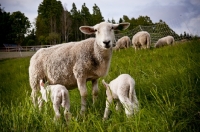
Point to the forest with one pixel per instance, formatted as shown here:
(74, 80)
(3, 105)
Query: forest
(56, 24)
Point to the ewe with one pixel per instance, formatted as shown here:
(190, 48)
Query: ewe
(168, 40)
(121, 89)
(59, 97)
(123, 43)
(73, 64)
(141, 39)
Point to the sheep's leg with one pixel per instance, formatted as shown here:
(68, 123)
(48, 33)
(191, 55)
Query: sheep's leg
(95, 90)
(107, 111)
(40, 102)
(83, 92)
(33, 96)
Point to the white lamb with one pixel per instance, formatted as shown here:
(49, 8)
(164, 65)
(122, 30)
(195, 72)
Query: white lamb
(168, 40)
(121, 89)
(141, 39)
(123, 43)
(73, 64)
(59, 97)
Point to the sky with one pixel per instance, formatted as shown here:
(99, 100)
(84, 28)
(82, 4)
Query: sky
(180, 15)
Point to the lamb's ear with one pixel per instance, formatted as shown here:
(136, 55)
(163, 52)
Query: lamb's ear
(121, 26)
(41, 83)
(87, 29)
(105, 84)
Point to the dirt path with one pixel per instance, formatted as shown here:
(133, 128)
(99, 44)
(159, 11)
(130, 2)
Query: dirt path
(6, 55)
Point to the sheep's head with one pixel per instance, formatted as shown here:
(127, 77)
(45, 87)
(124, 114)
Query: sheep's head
(104, 32)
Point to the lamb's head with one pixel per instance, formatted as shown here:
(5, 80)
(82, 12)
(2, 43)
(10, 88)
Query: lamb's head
(104, 32)
(43, 91)
(108, 90)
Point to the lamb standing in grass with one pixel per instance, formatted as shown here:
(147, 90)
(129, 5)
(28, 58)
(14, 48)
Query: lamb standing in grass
(168, 40)
(59, 97)
(121, 89)
(73, 64)
(141, 39)
(123, 43)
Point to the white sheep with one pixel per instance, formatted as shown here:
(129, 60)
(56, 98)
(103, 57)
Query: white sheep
(59, 97)
(122, 43)
(168, 40)
(73, 64)
(121, 89)
(141, 39)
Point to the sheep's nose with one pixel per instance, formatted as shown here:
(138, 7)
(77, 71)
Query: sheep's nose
(106, 42)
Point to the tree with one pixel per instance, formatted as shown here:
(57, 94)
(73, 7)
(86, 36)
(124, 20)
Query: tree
(86, 17)
(96, 16)
(76, 22)
(67, 23)
(120, 20)
(5, 27)
(49, 18)
(20, 26)
(30, 39)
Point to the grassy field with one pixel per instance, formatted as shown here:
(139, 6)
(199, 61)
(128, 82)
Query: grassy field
(167, 87)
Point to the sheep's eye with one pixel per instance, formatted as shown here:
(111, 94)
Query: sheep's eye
(95, 30)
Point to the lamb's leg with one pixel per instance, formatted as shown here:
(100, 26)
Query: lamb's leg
(56, 110)
(128, 106)
(107, 111)
(66, 105)
(118, 105)
(95, 90)
(83, 92)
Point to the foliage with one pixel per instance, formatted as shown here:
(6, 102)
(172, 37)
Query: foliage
(167, 87)
(13, 27)
(49, 20)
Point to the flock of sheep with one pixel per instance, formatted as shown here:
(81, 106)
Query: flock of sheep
(70, 65)
(142, 40)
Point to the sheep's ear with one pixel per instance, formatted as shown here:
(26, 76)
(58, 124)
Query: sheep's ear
(105, 84)
(87, 29)
(121, 26)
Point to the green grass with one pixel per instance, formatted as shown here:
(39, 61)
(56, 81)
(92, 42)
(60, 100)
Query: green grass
(167, 87)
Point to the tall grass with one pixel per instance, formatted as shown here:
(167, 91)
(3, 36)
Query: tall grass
(167, 87)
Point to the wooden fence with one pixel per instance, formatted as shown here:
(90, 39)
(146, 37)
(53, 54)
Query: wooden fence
(16, 48)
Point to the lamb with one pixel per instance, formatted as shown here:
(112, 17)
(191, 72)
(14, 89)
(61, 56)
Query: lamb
(168, 40)
(73, 64)
(141, 39)
(59, 97)
(123, 42)
(121, 89)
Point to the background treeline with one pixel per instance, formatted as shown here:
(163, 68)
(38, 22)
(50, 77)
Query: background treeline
(56, 24)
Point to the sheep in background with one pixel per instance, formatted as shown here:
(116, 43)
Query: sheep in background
(141, 39)
(122, 43)
(168, 40)
(73, 64)
(59, 97)
(121, 89)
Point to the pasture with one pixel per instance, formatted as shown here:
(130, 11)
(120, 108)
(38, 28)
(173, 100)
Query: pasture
(167, 86)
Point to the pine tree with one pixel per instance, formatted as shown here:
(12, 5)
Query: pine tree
(97, 16)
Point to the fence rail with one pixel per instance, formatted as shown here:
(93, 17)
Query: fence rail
(15, 48)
